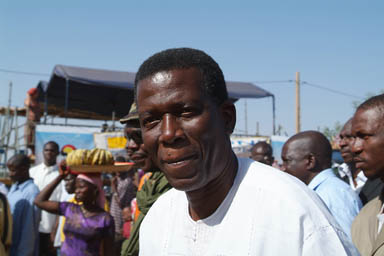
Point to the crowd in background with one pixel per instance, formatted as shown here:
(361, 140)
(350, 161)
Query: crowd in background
(327, 210)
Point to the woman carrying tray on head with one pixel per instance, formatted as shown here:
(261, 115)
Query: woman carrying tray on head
(89, 230)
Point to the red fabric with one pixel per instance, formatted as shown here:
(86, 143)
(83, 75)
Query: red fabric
(127, 229)
(32, 91)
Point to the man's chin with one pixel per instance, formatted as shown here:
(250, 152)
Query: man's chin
(139, 162)
(186, 185)
(373, 174)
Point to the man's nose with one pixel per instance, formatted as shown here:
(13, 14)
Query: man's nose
(356, 145)
(131, 144)
(170, 129)
(343, 142)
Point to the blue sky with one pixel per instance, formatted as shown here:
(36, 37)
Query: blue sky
(336, 44)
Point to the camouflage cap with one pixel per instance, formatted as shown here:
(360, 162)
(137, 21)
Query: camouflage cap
(132, 115)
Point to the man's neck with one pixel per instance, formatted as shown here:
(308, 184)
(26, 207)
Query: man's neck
(21, 181)
(352, 168)
(204, 202)
(49, 164)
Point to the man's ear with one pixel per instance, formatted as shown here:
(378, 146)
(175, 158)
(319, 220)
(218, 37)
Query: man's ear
(311, 161)
(228, 112)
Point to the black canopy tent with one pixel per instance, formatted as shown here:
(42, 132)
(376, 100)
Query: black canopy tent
(74, 92)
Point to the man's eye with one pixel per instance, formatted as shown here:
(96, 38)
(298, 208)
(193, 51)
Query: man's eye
(188, 112)
(150, 122)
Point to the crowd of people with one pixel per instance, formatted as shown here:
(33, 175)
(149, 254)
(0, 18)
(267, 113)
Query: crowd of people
(190, 194)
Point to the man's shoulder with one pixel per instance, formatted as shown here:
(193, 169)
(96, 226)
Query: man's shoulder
(36, 167)
(364, 226)
(261, 177)
(367, 216)
(36, 170)
(166, 203)
(371, 209)
(338, 187)
(31, 189)
(172, 196)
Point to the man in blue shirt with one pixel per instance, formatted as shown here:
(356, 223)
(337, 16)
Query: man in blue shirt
(26, 216)
(307, 155)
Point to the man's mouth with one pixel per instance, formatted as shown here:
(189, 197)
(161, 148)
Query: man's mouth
(138, 157)
(175, 161)
(358, 162)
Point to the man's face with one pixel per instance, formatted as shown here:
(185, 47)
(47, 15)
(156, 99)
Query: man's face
(50, 154)
(70, 183)
(368, 145)
(346, 140)
(18, 173)
(295, 161)
(262, 155)
(135, 147)
(183, 129)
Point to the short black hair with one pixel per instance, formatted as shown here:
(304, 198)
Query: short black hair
(19, 160)
(185, 58)
(52, 143)
(375, 102)
(264, 145)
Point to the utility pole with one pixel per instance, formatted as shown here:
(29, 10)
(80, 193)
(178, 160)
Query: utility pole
(257, 129)
(245, 116)
(298, 122)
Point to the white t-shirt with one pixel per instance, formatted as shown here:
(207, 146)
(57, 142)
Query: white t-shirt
(64, 198)
(266, 212)
(42, 175)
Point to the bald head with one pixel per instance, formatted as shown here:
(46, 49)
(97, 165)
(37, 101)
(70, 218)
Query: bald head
(306, 154)
(262, 152)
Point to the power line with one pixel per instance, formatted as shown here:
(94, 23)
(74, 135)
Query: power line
(331, 90)
(309, 84)
(23, 72)
(273, 82)
(257, 82)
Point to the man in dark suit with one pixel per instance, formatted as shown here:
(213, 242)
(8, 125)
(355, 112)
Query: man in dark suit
(368, 149)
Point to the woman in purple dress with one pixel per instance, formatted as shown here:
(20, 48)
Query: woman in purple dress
(88, 229)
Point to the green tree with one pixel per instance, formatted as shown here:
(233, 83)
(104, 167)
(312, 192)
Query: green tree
(332, 132)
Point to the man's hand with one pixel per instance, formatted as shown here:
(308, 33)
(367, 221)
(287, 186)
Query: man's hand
(63, 168)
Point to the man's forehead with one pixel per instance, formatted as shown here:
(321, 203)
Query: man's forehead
(366, 119)
(132, 124)
(160, 77)
(347, 128)
(50, 146)
(297, 145)
(173, 86)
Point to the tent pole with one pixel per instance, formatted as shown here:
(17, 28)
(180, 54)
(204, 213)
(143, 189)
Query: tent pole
(66, 99)
(45, 107)
(273, 114)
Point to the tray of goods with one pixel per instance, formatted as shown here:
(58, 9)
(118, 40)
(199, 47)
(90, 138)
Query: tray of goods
(95, 161)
